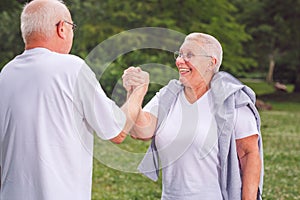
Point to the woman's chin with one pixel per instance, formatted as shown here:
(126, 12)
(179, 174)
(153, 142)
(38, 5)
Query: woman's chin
(184, 81)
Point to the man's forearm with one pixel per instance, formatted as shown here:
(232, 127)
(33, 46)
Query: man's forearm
(136, 82)
(131, 108)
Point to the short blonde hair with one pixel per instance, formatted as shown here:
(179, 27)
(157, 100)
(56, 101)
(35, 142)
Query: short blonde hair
(40, 16)
(210, 45)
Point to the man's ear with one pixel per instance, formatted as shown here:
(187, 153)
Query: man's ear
(60, 30)
(214, 61)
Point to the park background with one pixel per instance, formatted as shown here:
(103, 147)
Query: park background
(261, 43)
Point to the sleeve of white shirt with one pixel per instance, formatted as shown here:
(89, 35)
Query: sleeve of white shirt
(245, 125)
(100, 112)
(152, 105)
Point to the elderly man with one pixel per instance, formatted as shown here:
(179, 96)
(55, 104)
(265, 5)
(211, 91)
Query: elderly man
(50, 105)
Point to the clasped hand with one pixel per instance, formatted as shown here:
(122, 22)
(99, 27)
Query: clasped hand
(135, 80)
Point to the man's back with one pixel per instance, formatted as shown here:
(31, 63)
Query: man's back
(43, 156)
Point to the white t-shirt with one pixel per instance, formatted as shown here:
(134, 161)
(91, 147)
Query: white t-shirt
(188, 147)
(49, 106)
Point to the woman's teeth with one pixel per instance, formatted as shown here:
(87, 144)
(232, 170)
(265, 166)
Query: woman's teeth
(184, 70)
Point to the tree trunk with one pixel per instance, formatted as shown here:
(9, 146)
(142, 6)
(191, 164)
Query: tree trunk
(297, 83)
(271, 68)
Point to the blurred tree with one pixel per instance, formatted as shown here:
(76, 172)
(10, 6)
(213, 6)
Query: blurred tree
(274, 27)
(9, 5)
(99, 20)
(10, 35)
(218, 19)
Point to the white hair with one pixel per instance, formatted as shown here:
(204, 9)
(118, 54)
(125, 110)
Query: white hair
(40, 16)
(210, 45)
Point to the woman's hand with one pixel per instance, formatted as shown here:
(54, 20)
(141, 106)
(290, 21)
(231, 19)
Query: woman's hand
(135, 80)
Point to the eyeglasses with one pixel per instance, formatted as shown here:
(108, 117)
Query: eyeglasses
(74, 26)
(187, 57)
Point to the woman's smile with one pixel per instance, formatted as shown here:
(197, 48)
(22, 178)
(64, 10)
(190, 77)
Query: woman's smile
(183, 71)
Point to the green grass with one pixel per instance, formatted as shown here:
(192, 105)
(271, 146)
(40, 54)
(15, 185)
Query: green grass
(120, 180)
(262, 88)
(281, 138)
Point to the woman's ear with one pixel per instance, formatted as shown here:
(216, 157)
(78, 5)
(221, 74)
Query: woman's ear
(212, 64)
(60, 30)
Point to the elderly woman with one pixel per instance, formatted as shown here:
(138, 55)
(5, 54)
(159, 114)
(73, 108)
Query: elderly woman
(205, 128)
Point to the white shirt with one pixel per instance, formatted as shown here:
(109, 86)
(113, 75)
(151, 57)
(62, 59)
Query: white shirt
(50, 104)
(188, 147)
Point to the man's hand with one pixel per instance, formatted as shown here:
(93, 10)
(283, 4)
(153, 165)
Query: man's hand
(135, 80)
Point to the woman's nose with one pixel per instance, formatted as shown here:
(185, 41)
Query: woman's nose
(179, 61)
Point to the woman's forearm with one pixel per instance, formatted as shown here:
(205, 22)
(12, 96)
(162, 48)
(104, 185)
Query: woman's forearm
(251, 167)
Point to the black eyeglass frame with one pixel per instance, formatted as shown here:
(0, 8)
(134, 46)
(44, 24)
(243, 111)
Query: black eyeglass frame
(74, 26)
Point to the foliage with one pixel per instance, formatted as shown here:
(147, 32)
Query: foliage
(10, 35)
(274, 27)
(111, 17)
(249, 30)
